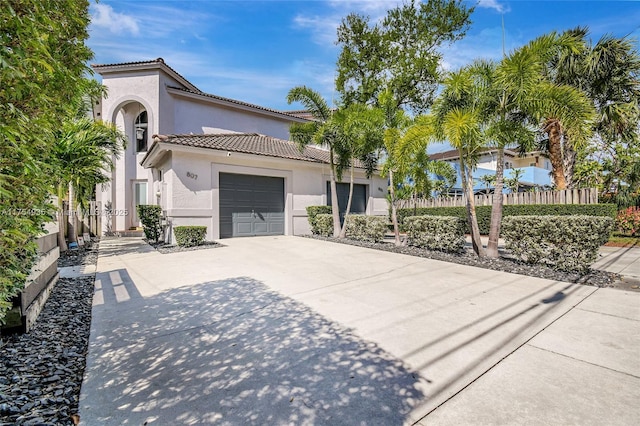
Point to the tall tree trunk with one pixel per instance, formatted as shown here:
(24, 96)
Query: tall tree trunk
(72, 232)
(569, 162)
(343, 231)
(496, 207)
(467, 184)
(394, 210)
(335, 209)
(554, 130)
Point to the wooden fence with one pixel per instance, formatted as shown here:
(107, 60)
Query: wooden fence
(567, 196)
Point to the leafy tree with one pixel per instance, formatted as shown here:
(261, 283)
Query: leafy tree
(43, 58)
(402, 53)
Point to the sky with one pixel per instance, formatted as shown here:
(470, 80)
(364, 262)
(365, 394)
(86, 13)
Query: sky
(256, 51)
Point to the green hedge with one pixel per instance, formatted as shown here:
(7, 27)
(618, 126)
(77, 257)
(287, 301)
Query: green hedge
(189, 236)
(443, 233)
(323, 225)
(484, 212)
(567, 243)
(313, 212)
(150, 217)
(366, 228)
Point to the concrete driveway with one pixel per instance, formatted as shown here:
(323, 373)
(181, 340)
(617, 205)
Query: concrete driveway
(289, 330)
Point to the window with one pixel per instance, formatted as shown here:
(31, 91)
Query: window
(140, 127)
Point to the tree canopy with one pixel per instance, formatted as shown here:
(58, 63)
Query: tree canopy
(402, 53)
(43, 60)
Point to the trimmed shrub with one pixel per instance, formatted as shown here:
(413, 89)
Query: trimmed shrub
(189, 236)
(443, 233)
(324, 225)
(312, 212)
(628, 221)
(568, 243)
(366, 228)
(484, 212)
(150, 217)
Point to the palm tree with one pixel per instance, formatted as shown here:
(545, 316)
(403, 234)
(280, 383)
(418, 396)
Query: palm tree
(609, 74)
(361, 129)
(395, 124)
(320, 131)
(457, 117)
(564, 112)
(513, 182)
(83, 152)
(488, 180)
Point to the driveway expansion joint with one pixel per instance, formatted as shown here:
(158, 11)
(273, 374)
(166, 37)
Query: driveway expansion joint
(526, 342)
(583, 361)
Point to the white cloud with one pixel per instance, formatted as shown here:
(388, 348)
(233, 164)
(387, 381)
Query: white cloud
(493, 4)
(103, 16)
(323, 28)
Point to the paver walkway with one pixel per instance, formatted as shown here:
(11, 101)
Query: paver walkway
(289, 330)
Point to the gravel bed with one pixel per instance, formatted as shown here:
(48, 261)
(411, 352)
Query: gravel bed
(172, 248)
(41, 371)
(593, 277)
(87, 255)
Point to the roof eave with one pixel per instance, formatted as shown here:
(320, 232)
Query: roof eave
(156, 152)
(106, 69)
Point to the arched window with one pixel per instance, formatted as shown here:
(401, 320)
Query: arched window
(140, 126)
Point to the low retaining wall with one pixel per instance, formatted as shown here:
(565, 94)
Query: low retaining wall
(40, 282)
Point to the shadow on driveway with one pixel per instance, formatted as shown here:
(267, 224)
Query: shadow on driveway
(233, 352)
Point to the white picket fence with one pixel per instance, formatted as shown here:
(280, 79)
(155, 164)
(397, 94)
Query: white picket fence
(567, 196)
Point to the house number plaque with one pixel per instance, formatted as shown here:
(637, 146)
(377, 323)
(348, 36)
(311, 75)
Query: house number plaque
(192, 175)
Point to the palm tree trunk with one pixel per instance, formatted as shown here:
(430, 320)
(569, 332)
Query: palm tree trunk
(343, 231)
(467, 185)
(394, 211)
(496, 207)
(554, 131)
(72, 233)
(569, 162)
(335, 209)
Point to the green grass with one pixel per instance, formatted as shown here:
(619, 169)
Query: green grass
(620, 240)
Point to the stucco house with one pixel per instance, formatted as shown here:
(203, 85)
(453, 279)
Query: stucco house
(213, 161)
(535, 166)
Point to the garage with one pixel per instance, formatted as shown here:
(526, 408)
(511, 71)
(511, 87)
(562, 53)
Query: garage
(251, 205)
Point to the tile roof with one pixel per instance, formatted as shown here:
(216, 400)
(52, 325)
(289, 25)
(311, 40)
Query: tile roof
(249, 143)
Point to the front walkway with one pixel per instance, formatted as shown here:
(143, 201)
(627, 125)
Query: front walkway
(621, 260)
(289, 330)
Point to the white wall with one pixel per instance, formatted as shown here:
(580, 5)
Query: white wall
(192, 116)
(193, 182)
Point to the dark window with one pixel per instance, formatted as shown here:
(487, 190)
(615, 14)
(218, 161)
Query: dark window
(358, 201)
(140, 127)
